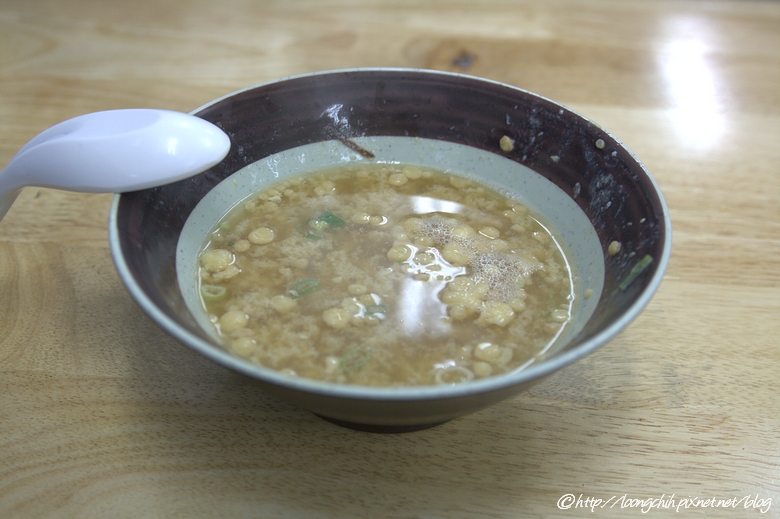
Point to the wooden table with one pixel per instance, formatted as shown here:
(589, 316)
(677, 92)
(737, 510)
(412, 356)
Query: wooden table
(104, 415)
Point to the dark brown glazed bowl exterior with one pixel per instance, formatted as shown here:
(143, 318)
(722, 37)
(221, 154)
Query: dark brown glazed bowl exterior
(270, 118)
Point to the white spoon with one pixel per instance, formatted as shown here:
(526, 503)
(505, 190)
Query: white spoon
(114, 152)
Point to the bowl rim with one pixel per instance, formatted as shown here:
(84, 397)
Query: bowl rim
(535, 371)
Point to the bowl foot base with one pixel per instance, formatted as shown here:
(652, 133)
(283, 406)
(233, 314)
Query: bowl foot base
(381, 429)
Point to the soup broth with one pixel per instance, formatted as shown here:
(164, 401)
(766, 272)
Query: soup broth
(385, 275)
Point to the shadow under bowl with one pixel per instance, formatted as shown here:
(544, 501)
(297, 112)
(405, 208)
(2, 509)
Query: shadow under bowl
(591, 172)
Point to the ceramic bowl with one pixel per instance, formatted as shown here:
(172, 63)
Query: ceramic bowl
(580, 178)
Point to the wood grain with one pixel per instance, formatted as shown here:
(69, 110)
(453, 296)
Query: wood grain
(103, 415)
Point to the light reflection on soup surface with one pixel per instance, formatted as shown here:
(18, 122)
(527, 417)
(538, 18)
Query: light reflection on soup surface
(385, 275)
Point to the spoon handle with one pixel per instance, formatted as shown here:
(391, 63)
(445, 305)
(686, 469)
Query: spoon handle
(7, 199)
(9, 190)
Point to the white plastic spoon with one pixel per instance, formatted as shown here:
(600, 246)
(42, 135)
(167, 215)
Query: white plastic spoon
(114, 152)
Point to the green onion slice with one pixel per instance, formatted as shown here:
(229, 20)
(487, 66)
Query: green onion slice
(212, 292)
(313, 227)
(376, 309)
(636, 271)
(355, 358)
(303, 287)
(331, 219)
(317, 224)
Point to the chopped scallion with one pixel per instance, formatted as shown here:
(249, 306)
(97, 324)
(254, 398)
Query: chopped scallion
(318, 224)
(376, 309)
(314, 227)
(356, 357)
(303, 287)
(331, 219)
(636, 271)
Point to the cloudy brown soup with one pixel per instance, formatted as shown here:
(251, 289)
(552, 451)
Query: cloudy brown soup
(385, 275)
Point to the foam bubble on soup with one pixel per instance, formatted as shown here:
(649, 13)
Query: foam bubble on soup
(385, 275)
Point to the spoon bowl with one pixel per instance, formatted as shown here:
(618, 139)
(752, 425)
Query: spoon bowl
(114, 151)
